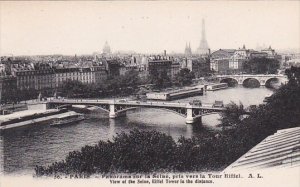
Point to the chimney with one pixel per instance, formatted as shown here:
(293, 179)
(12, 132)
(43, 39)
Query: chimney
(165, 52)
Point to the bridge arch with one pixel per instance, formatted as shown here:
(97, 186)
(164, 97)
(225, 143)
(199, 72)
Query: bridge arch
(232, 82)
(180, 112)
(251, 82)
(270, 80)
(102, 108)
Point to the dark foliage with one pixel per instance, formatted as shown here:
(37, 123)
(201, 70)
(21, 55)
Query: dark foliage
(184, 77)
(233, 114)
(160, 79)
(261, 65)
(143, 151)
(12, 95)
(123, 84)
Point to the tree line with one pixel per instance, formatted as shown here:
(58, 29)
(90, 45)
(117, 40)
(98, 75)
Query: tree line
(261, 66)
(125, 84)
(121, 85)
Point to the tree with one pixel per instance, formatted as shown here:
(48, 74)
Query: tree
(138, 151)
(164, 79)
(283, 107)
(293, 75)
(184, 77)
(261, 65)
(232, 115)
(74, 88)
(204, 68)
(142, 151)
(131, 79)
(160, 79)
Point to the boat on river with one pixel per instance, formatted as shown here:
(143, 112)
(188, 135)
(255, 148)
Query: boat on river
(68, 119)
(219, 86)
(175, 94)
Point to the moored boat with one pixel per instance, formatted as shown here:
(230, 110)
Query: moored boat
(175, 94)
(68, 119)
(219, 86)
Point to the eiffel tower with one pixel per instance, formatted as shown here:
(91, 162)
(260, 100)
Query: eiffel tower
(203, 49)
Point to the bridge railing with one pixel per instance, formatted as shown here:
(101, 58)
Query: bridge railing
(251, 75)
(137, 103)
(153, 103)
(80, 100)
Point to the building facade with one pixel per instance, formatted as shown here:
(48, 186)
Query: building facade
(219, 60)
(175, 68)
(237, 60)
(198, 65)
(92, 73)
(46, 77)
(160, 64)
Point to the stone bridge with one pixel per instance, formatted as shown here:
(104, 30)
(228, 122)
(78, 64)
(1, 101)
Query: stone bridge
(116, 108)
(264, 80)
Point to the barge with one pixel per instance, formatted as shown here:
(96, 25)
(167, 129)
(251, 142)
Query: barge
(177, 94)
(24, 118)
(219, 86)
(67, 118)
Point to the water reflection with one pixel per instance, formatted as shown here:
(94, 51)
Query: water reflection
(112, 128)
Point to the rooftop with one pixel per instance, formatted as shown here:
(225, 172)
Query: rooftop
(278, 151)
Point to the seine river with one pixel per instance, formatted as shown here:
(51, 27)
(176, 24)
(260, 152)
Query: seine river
(23, 148)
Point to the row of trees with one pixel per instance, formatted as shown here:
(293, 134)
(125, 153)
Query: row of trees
(125, 84)
(162, 80)
(156, 152)
(261, 66)
(142, 151)
(113, 86)
(16, 95)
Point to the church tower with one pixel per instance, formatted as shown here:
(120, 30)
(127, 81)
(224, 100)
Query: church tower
(188, 50)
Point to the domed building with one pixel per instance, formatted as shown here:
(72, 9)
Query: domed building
(106, 48)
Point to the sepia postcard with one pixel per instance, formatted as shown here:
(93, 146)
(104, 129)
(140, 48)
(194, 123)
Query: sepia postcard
(159, 93)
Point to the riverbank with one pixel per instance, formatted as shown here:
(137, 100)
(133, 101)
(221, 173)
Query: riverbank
(29, 117)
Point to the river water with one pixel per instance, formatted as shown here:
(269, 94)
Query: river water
(24, 147)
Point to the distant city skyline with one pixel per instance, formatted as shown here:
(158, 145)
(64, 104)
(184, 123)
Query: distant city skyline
(68, 28)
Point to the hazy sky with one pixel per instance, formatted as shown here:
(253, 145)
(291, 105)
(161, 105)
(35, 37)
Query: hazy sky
(29, 28)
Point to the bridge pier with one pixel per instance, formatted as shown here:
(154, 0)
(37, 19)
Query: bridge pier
(189, 116)
(113, 114)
